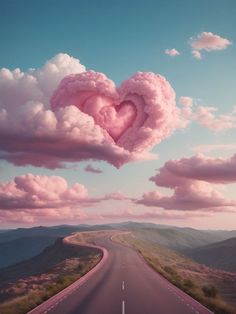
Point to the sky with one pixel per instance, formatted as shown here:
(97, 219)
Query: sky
(167, 155)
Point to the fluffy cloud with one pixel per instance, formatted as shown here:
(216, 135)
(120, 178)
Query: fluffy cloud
(189, 196)
(90, 168)
(209, 42)
(200, 167)
(205, 116)
(35, 192)
(186, 101)
(191, 180)
(88, 118)
(43, 215)
(197, 54)
(36, 199)
(172, 52)
(117, 196)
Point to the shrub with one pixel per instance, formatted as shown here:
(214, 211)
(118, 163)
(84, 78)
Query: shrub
(170, 270)
(209, 291)
(189, 284)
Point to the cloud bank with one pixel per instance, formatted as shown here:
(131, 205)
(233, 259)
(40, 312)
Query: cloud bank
(193, 183)
(85, 117)
(35, 192)
(200, 167)
(37, 198)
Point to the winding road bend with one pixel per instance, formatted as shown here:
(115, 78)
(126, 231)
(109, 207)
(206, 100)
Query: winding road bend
(124, 284)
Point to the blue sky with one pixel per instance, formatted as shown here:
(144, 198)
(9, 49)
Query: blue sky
(120, 38)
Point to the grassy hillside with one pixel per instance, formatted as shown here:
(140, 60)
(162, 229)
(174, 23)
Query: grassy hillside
(215, 289)
(220, 255)
(27, 284)
(23, 243)
(178, 239)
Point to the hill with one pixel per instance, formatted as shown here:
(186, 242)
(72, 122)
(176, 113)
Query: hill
(220, 255)
(55, 231)
(43, 262)
(20, 244)
(17, 250)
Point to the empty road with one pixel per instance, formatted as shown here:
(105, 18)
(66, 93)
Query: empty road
(125, 284)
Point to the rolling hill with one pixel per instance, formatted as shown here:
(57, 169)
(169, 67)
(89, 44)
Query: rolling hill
(17, 250)
(43, 262)
(17, 245)
(220, 255)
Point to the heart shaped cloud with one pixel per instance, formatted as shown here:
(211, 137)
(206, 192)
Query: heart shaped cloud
(88, 118)
(135, 116)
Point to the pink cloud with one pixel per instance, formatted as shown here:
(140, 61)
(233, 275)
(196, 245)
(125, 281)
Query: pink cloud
(131, 116)
(91, 118)
(200, 167)
(90, 168)
(42, 215)
(36, 192)
(118, 196)
(209, 42)
(37, 199)
(191, 180)
(197, 54)
(186, 101)
(172, 52)
(205, 116)
(188, 196)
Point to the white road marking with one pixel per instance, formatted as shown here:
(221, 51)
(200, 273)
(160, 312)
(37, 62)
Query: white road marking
(123, 285)
(123, 307)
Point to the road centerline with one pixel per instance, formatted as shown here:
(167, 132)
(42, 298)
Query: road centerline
(123, 285)
(123, 307)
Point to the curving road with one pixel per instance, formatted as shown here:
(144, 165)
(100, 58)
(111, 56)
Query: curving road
(124, 284)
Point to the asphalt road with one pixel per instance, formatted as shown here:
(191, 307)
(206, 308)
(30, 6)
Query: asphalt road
(124, 284)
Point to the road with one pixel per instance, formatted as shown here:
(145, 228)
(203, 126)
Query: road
(124, 284)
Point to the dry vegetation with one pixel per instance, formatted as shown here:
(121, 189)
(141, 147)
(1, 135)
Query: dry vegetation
(90, 237)
(214, 288)
(18, 297)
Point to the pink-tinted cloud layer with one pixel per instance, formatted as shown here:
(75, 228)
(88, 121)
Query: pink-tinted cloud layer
(192, 181)
(37, 198)
(89, 119)
(200, 167)
(35, 192)
(153, 214)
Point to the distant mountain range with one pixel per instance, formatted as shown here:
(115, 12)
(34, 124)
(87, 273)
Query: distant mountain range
(220, 255)
(20, 244)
